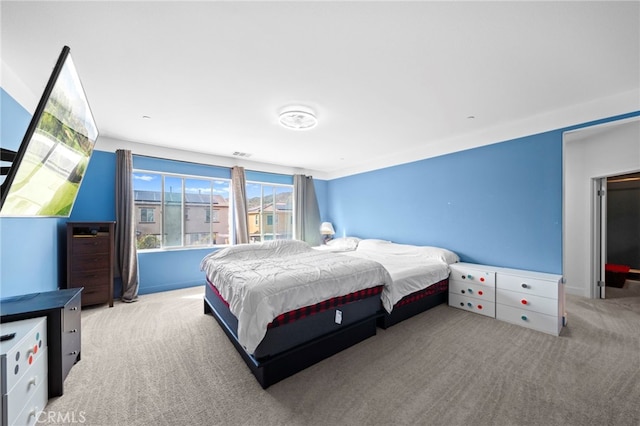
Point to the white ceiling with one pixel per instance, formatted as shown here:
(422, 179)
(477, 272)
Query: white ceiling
(390, 82)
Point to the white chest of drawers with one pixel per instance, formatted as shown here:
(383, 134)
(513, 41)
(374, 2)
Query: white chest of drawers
(530, 299)
(23, 364)
(473, 288)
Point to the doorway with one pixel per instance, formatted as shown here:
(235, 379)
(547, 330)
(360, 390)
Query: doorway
(590, 153)
(617, 217)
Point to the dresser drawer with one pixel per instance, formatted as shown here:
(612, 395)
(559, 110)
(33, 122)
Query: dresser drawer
(93, 295)
(527, 285)
(546, 323)
(34, 406)
(472, 273)
(71, 333)
(470, 289)
(481, 307)
(89, 245)
(528, 302)
(23, 351)
(91, 262)
(29, 393)
(95, 278)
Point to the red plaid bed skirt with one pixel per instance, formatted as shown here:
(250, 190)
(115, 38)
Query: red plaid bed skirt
(306, 311)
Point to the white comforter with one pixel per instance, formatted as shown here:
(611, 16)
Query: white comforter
(262, 281)
(412, 268)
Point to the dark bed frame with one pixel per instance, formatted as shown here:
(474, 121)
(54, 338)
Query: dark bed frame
(401, 313)
(272, 368)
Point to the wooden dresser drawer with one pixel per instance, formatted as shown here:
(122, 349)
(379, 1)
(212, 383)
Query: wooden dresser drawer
(95, 278)
(86, 245)
(91, 262)
(71, 333)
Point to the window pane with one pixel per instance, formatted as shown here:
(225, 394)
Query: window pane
(220, 215)
(147, 193)
(284, 212)
(270, 211)
(197, 202)
(172, 212)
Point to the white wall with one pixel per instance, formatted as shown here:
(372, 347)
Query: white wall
(593, 152)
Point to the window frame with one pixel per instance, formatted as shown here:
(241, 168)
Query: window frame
(183, 209)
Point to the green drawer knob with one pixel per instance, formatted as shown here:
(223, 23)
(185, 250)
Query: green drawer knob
(523, 318)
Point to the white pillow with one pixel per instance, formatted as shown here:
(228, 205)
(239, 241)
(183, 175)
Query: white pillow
(344, 243)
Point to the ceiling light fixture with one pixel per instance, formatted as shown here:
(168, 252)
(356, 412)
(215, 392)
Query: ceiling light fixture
(298, 118)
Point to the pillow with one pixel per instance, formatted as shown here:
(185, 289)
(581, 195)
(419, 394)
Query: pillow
(343, 243)
(428, 252)
(442, 254)
(373, 244)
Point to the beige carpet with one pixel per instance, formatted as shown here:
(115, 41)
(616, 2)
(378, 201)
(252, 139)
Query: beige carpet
(161, 361)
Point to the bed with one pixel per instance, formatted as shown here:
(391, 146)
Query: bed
(286, 306)
(419, 274)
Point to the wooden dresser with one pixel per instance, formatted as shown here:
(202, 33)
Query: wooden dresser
(90, 254)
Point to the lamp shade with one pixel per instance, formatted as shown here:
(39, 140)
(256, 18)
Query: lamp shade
(327, 228)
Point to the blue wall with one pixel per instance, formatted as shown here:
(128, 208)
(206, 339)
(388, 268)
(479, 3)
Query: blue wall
(499, 204)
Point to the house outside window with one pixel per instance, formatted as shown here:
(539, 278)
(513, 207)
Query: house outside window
(270, 211)
(187, 211)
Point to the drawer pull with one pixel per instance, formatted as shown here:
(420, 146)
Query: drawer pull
(469, 304)
(479, 306)
(470, 290)
(74, 353)
(524, 318)
(34, 412)
(481, 279)
(75, 330)
(75, 308)
(524, 302)
(524, 285)
(480, 293)
(462, 291)
(33, 381)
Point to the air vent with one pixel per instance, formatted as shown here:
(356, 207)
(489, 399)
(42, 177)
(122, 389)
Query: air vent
(241, 154)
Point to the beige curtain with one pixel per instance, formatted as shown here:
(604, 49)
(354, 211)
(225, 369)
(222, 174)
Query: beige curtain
(126, 253)
(307, 220)
(238, 183)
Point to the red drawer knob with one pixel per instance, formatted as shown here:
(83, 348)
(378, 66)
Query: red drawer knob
(479, 306)
(482, 279)
(480, 292)
(524, 301)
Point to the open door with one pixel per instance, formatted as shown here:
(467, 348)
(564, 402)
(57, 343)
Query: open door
(600, 234)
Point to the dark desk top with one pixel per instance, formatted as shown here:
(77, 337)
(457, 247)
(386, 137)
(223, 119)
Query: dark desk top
(36, 302)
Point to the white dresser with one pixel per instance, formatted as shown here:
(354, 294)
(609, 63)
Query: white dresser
(473, 288)
(530, 299)
(23, 364)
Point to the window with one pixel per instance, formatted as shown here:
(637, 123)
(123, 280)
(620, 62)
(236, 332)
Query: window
(180, 211)
(147, 215)
(270, 211)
